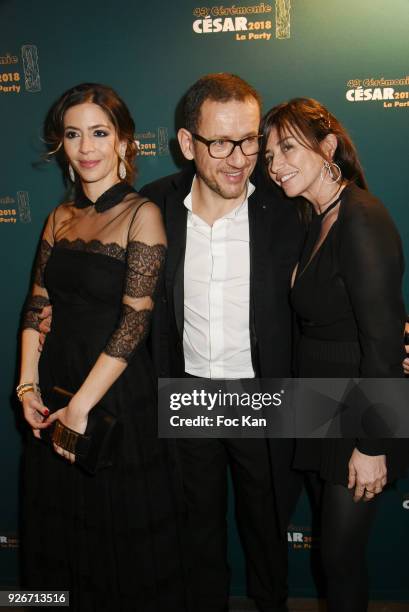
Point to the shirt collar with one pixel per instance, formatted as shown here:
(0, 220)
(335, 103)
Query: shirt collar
(111, 197)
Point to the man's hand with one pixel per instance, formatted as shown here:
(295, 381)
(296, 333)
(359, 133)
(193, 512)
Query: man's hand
(45, 317)
(367, 474)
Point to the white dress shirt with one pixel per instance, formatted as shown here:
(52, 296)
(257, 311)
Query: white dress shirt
(216, 335)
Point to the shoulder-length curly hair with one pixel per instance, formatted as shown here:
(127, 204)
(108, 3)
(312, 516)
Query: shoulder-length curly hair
(115, 109)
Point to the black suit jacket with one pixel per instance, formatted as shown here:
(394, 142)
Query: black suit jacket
(276, 236)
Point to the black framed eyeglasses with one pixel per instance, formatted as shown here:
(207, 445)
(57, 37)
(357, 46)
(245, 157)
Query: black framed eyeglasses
(223, 147)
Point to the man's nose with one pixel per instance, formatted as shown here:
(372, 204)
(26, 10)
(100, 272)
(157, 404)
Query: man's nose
(237, 157)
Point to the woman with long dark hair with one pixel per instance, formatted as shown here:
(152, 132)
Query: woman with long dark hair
(346, 292)
(110, 537)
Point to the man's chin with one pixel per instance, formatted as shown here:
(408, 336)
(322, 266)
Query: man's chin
(227, 191)
(232, 192)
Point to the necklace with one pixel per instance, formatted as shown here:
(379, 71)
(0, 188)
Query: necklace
(330, 207)
(319, 219)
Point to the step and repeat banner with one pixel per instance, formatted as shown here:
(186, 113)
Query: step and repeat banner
(352, 56)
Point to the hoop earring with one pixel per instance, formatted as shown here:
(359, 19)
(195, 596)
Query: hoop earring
(71, 173)
(330, 173)
(122, 167)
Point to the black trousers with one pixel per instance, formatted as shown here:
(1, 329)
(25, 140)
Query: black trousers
(345, 530)
(204, 466)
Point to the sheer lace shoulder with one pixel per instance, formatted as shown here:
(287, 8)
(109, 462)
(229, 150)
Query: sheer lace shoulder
(147, 224)
(145, 259)
(108, 232)
(111, 249)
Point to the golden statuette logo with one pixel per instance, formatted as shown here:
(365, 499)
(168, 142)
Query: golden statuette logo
(163, 141)
(23, 207)
(283, 18)
(29, 54)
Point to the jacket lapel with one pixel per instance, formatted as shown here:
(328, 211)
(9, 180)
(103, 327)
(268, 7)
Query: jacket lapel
(262, 212)
(253, 214)
(176, 220)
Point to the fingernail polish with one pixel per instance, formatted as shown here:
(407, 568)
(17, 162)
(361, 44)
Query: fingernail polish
(46, 411)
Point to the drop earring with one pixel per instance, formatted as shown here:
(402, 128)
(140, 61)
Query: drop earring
(71, 173)
(122, 167)
(330, 173)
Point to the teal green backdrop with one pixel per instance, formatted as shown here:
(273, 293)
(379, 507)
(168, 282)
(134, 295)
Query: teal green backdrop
(352, 56)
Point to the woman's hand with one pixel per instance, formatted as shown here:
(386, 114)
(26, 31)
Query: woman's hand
(72, 418)
(367, 474)
(35, 412)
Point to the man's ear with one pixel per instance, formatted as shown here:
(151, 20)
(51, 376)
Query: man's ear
(329, 145)
(186, 143)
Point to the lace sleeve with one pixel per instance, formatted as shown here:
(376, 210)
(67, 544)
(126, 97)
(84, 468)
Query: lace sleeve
(38, 297)
(144, 265)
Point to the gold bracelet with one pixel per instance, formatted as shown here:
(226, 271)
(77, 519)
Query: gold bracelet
(29, 384)
(23, 391)
(24, 387)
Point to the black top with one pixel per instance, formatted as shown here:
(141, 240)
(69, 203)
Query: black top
(123, 227)
(351, 288)
(349, 304)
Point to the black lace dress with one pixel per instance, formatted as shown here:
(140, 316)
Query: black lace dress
(110, 539)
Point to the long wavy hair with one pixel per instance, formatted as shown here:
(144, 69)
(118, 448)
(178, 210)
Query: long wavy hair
(115, 109)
